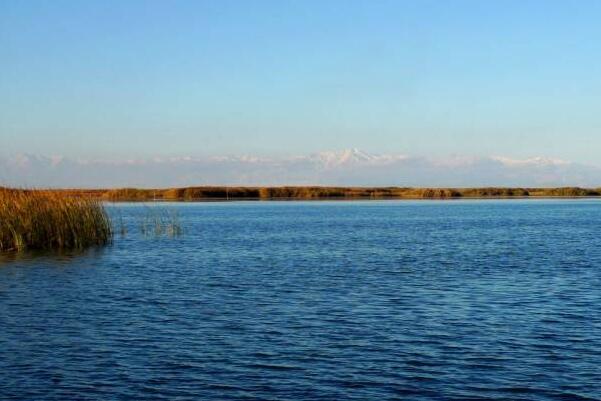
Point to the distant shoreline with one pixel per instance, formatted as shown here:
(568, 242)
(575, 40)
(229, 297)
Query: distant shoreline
(218, 193)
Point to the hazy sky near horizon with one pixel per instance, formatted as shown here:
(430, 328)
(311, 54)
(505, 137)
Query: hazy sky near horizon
(153, 78)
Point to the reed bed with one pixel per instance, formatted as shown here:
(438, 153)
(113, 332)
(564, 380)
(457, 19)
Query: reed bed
(159, 221)
(319, 192)
(35, 219)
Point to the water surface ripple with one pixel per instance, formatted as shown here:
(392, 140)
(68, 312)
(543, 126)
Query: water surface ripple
(457, 300)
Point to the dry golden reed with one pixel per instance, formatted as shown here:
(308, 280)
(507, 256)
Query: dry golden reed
(36, 219)
(318, 192)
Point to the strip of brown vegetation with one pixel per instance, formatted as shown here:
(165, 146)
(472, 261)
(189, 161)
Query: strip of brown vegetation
(317, 192)
(31, 219)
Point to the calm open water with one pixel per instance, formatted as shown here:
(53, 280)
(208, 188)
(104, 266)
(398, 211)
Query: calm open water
(425, 300)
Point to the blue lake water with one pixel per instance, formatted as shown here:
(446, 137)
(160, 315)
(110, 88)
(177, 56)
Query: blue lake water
(404, 300)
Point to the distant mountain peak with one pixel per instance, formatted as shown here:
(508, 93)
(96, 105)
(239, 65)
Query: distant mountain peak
(337, 158)
(533, 161)
(341, 167)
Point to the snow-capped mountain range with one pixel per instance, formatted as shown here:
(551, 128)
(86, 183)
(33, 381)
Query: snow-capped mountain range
(345, 167)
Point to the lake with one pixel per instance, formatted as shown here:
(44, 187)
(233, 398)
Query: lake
(323, 300)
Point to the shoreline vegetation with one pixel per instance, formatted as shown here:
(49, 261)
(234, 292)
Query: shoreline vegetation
(44, 220)
(204, 193)
(37, 219)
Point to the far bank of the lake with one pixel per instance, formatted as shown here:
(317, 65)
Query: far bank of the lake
(324, 192)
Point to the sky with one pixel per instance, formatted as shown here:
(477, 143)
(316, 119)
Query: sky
(144, 79)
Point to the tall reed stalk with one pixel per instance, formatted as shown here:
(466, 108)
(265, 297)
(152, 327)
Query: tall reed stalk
(34, 219)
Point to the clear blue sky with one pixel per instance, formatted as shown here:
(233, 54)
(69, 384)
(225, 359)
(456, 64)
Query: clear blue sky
(148, 78)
